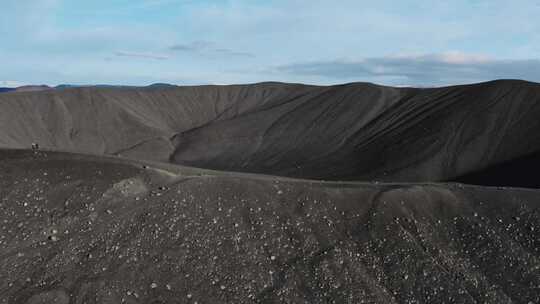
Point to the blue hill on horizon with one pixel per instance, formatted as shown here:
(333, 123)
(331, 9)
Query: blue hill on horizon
(4, 90)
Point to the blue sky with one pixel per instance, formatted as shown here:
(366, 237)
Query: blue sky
(139, 42)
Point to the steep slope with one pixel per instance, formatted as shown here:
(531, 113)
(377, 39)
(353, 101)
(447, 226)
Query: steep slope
(426, 135)
(356, 131)
(141, 122)
(80, 229)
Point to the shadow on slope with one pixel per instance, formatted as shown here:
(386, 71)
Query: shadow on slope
(522, 172)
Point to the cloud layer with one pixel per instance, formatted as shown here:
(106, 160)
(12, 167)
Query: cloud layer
(207, 48)
(141, 55)
(425, 70)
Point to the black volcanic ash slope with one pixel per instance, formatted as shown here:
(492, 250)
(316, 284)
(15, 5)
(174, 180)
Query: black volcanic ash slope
(425, 135)
(140, 122)
(79, 229)
(76, 228)
(348, 132)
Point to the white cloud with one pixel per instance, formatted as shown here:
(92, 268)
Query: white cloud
(450, 57)
(462, 58)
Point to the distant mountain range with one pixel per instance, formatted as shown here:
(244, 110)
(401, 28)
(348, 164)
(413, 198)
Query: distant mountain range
(29, 88)
(26, 88)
